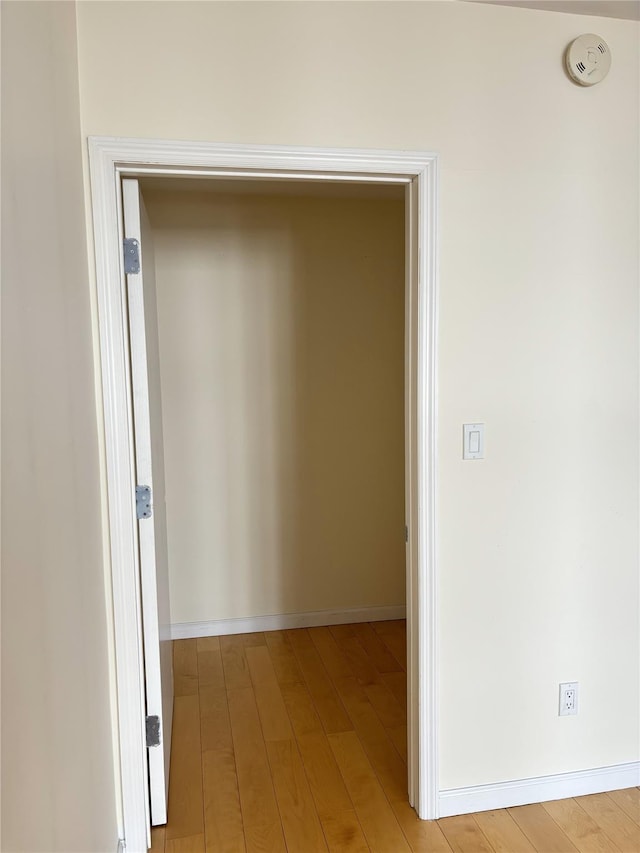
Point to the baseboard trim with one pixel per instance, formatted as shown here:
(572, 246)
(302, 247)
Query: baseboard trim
(521, 792)
(282, 621)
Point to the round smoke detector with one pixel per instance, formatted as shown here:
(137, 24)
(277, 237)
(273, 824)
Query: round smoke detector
(588, 59)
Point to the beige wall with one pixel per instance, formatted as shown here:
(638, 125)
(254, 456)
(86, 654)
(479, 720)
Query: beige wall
(282, 359)
(58, 791)
(538, 544)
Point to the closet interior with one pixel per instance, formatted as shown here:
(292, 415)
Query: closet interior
(281, 312)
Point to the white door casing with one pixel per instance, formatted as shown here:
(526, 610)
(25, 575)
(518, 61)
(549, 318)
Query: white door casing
(111, 160)
(149, 465)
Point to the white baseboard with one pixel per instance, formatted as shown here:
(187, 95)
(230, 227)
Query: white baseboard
(521, 792)
(282, 621)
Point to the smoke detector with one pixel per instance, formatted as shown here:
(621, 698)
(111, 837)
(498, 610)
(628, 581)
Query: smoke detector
(588, 59)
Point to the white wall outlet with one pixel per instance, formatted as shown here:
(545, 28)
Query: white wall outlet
(568, 698)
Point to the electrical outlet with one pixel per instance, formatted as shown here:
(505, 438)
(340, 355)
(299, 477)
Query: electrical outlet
(568, 698)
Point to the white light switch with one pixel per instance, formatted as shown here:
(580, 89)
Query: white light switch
(473, 441)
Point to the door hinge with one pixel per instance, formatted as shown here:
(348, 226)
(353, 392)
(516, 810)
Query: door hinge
(143, 502)
(406, 533)
(153, 730)
(131, 256)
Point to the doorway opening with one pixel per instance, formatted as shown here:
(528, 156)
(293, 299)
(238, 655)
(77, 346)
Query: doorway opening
(264, 515)
(281, 312)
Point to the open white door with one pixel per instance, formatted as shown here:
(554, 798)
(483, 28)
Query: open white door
(149, 463)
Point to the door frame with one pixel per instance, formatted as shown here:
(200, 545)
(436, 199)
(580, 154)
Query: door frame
(110, 159)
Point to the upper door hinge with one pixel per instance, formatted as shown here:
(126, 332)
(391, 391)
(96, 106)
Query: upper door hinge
(131, 248)
(143, 502)
(153, 730)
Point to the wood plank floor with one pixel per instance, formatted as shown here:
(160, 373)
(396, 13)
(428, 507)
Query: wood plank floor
(296, 741)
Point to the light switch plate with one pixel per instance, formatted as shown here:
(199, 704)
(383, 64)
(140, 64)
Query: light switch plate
(473, 441)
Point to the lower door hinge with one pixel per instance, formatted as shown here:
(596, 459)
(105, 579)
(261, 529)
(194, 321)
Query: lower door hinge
(406, 533)
(143, 502)
(153, 730)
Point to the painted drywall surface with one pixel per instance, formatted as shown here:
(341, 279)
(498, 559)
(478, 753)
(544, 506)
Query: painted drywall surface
(58, 789)
(537, 544)
(282, 360)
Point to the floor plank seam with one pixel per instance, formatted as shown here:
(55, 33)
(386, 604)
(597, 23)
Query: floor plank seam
(483, 834)
(576, 801)
(325, 735)
(233, 745)
(355, 727)
(204, 822)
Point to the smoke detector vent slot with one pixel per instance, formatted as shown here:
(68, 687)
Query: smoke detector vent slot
(588, 59)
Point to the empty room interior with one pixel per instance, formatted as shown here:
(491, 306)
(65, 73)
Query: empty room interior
(363, 279)
(281, 345)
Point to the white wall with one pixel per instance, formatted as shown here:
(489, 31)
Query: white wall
(538, 544)
(58, 792)
(281, 326)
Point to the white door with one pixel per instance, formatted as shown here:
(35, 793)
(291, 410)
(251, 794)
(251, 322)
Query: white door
(152, 527)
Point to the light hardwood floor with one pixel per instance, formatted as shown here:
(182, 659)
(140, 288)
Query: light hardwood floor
(296, 741)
